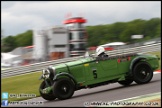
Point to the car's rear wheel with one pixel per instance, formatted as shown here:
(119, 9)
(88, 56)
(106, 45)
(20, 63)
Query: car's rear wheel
(49, 96)
(63, 88)
(142, 73)
(125, 82)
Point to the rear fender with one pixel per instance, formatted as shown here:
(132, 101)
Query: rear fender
(134, 62)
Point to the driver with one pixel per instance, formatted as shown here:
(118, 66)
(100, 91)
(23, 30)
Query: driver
(100, 52)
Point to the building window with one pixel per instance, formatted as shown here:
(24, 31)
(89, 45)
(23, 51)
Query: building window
(59, 46)
(81, 35)
(70, 36)
(59, 32)
(78, 46)
(77, 35)
(80, 26)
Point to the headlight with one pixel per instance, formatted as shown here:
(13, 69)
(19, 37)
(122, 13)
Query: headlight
(46, 73)
(52, 71)
(49, 72)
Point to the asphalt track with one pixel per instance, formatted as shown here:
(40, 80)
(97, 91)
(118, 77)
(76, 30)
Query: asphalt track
(110, 92)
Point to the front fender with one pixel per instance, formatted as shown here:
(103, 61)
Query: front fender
(65, 74)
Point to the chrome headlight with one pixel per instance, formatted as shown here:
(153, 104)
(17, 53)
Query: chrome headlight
(45, 73)
(52, 71)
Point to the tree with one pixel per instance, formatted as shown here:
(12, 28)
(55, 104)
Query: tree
(24, 39)
(158, 30)
(122, 31)
(9, 44)
(99, 34)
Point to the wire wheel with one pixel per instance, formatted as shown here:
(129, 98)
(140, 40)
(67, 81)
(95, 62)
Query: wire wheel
(142, 73)
(63, 88)
(49, 96)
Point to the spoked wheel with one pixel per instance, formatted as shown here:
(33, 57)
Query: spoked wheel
(142, 73)
(64, 88)
(49, 96)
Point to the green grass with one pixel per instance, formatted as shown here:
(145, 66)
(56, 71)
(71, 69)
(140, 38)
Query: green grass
(29, 83)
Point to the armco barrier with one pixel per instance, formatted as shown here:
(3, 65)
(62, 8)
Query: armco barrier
(39, 66)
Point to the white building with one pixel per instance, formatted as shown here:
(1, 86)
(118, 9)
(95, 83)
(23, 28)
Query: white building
(77, 35)
(40, 41)
(59, 42)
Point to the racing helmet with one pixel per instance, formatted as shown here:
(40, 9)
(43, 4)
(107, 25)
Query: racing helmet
(100, 50)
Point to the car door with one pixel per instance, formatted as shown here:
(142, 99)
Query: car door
(90, 68)
(109, 67)
(97, 69)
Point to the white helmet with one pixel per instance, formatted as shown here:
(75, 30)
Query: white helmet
(100, 50)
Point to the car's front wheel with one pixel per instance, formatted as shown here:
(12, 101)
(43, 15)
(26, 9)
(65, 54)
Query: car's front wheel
(63, 88)
(142, 73)
(49, 96)
(125, 82)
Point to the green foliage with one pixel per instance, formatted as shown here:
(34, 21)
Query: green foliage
(158, 30)
(99, 34)
(122, 31)
(8, 44)
(11, 42)
(24, 39)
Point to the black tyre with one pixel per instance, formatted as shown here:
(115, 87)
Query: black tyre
(64, 88)
(142, 73)
(125, 82)
(49, 96)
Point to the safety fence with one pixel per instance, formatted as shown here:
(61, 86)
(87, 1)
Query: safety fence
(39, 66)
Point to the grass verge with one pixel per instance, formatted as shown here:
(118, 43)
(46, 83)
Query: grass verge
(23, 84)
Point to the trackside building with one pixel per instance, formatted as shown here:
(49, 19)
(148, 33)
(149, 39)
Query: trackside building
(60, 42)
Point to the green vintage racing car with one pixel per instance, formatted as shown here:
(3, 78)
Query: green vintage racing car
(61, 80)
